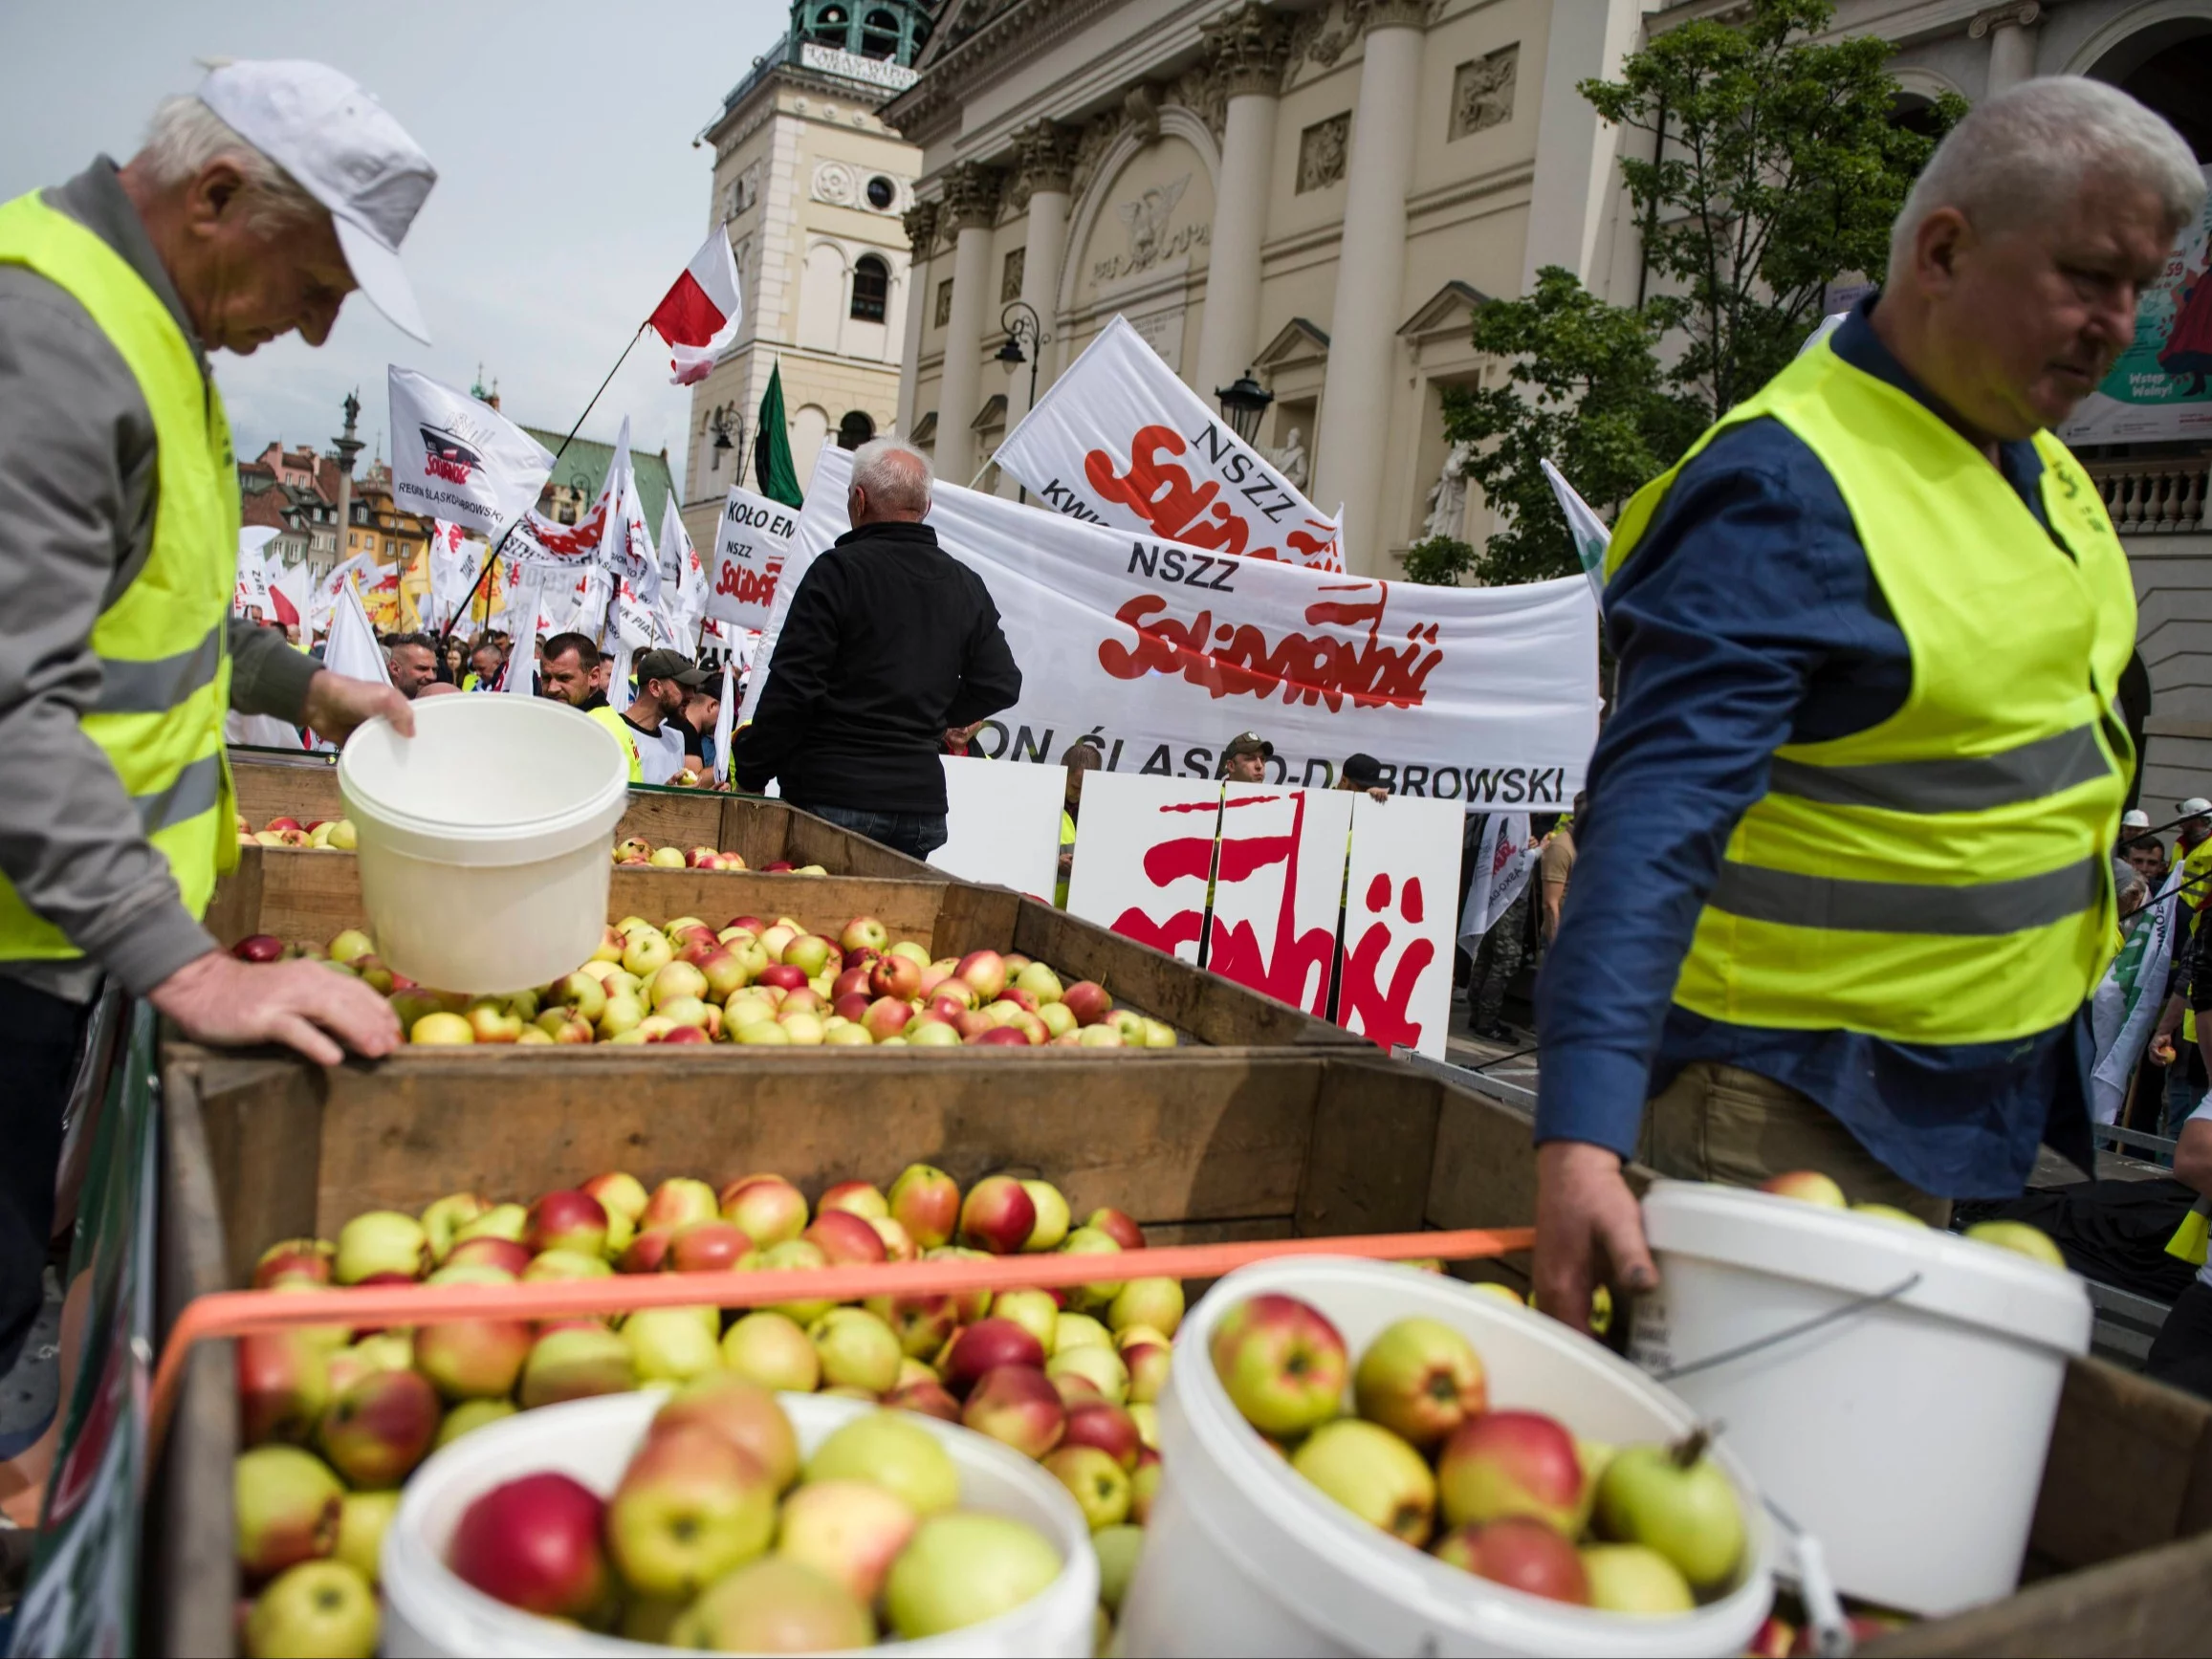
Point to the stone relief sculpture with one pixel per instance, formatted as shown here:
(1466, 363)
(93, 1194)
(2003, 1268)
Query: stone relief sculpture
(1483, 92)
(1321, 152)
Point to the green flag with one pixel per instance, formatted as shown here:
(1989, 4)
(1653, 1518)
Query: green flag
(772, 465)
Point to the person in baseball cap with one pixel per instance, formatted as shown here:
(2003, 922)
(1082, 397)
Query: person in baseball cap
(652, 730)
(1245, 757)
(1362, 771)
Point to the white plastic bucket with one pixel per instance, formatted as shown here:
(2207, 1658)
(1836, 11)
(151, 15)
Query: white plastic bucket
(483, 838)
(428, 1611)
(1907, 1433)
(1243, 1554)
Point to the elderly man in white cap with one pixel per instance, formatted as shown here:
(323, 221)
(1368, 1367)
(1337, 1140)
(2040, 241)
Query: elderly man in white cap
(253, 209)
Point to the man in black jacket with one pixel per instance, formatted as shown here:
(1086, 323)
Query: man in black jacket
(889, 642)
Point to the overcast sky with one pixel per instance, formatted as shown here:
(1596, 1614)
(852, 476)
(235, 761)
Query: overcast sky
(568, 194)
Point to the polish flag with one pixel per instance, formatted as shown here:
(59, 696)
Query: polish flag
(698, 316)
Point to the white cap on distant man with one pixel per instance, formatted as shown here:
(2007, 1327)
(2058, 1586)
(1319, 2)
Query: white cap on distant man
(2138, 819)
(346, 151)
(2196, 806)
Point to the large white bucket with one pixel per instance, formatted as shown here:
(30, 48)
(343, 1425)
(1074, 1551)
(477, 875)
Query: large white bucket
(1907, 1431)
(1243, 1554)
(429, 1612)
(484, 838)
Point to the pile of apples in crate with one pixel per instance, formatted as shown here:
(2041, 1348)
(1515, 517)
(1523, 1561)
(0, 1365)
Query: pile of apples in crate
(335, 1418)
(327, 834)
(636, 852)
(758, 982)
(1510, 1495)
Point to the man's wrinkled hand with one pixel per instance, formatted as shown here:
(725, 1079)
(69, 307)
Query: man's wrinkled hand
(336, 705)
(1588, 1222)
(219, 1000)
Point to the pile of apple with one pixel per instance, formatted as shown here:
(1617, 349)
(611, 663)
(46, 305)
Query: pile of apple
(1813, 1187)
(756, 983)
(336, 1417)
(329, 835)
(637, 852)
(718, 1537)
(1509, 1496)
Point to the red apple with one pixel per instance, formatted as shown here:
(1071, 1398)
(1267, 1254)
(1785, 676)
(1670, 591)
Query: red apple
(921, 1323)
(534, 1544)
(770, 1209)
(1281, 1364)
(1520, 1553)
(864, 934)
(852, 981)
(681, 1034)
(896, 977)
(568, 1220)
(648, 1251)
(928, 1398)
(973, 1024)
(847, 1240)
(487, 1250)
(853, 1006)
(949, 1007)
(864, 1198)
(675, 1201)
(1020, 997)
(886, 1017)
(259, 947)
(473, 1359)
(1018, 1407)
(999, 1215)
(752, 925)
(986, 972)
(987, 1345)
(1511, 1463)
(926, 1202)
(1117, 1227)
(294, 1259)
(283, 1386)
(1108, 1427)
(379, 1428)
(742, 1413)
(1087, 1000)
(782, 975)
(706, 1247)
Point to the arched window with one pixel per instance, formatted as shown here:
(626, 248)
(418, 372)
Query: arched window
(854, 428)
(872, 289)
(831, 25)
(880, 34)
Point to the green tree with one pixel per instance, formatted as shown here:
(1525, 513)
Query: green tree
(1781, 169)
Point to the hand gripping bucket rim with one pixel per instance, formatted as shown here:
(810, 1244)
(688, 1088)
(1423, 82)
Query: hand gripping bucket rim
(428, 1611)
(1235, 1509)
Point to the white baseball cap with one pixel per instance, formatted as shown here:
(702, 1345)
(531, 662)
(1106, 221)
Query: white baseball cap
(2135, 819)
(2196, 806)
(347, 152)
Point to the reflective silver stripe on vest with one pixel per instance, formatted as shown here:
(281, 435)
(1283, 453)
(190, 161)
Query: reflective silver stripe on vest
(1962, 784)
(158, 684)
(1985, 908)
(194, 791)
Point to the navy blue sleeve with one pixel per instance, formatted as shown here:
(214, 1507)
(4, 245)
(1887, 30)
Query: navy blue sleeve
(1748, 617)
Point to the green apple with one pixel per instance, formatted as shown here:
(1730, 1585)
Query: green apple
(1077, 1331)
(890, 1449)
(1281, 1364)
(1632, 1579)
(770, 1348)
(508, 1221)
(1421, 1379)
(363, 1519)
(857, 1350)
(1888, 1213)
(1153, 1302)
(1678, 1501)
(963, 1568)
(445, 1217)
(1098, 1484)
(575, 1362)
(380, 1241)
(1052, 1216)
(1097, 1364)
(470, 1415)
(776, 1605)
(1034, 1311)
(691, 1506)
(847, 1530)
(287, 1504)
(673, 1345)
(1372, 1472)
(324, 1608)
(1118, 1548)
(1091, 1241)
(2021, 1238)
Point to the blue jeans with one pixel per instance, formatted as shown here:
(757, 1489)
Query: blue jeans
(915, 834)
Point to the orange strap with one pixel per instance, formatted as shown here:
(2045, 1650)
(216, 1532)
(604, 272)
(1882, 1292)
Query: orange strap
(237, 1312)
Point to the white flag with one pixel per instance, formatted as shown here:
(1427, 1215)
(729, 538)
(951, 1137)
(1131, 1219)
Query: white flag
(749, 543)
(725, 718)
(1592, 538)
(456, 565)
(626, 546)
(289, 589)
(457, 458)
(686, 602)
(252, 592)
(323, 598)
(1120, 440)
(1502, 865)
(521, 675)
(353, 649)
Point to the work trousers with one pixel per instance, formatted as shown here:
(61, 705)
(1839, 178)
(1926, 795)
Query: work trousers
(915, 834)
(2181, 1354)
(1720, 1122)
(39, 1037)
(1498, 958)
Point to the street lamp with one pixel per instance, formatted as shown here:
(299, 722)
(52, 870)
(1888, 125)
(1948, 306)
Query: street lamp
(1021, 322)
(1242, 403)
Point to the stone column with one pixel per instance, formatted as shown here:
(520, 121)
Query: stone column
(921, 223)
(2011, 32)
(1043, 177)
(1250, 46)
(1574, 184)
(972, 203)
(1353, 428)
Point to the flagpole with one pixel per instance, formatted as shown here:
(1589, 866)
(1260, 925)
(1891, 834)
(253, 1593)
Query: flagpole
(492, 561)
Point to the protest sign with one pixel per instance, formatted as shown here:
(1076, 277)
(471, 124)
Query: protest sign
(1160, 653)
(1394, 985)
(1144, 852)
(457, 458)
(750, 544)
(1277, 887)
(1120, 440)
(1003, 824)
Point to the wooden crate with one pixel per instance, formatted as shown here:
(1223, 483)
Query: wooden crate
(1198, 1144)
(306, 896)
(763, 831)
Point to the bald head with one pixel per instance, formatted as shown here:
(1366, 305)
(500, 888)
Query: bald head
(890, 484)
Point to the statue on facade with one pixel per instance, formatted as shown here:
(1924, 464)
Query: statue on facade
(1290, 460)
(1448, 495)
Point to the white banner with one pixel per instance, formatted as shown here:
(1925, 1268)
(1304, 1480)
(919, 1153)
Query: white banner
(456, 565)
(1502, 863)
(1161, 654)
(2130, 1000)
(457, 458)
(750, 544)
(1120, 440)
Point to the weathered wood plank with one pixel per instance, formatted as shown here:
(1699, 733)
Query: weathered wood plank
(1374, 1135)
(2118, 1433)
(2159, 1602)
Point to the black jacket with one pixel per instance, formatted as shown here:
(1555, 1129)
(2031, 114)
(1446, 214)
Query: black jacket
(889, 640)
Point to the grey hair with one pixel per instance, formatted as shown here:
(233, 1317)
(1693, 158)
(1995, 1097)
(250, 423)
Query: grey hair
(185, 135)
(895, 475)
(2022, 150)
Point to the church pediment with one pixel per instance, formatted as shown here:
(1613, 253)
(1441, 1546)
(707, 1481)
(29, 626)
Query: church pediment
(1450, 309)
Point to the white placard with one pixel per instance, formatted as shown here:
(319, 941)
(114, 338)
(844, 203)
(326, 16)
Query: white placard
(1278, 886)
(1003, 824)
(1395, 983)
(750, 544)
(1144, 852)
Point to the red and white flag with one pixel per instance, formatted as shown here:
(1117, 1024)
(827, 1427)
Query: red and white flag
(698, 316)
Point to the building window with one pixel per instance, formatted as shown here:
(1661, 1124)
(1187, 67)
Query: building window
(872, 289)
(882, 193)
(945, 303)
(1010, 276)
(855, 428)
(1321, 152)
(880, 34)
(830, 25)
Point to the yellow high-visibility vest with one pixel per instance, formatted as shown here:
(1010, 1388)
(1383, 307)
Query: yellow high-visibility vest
(1944, 877)
(1067, 842)
(162, 644)
(624, 734)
